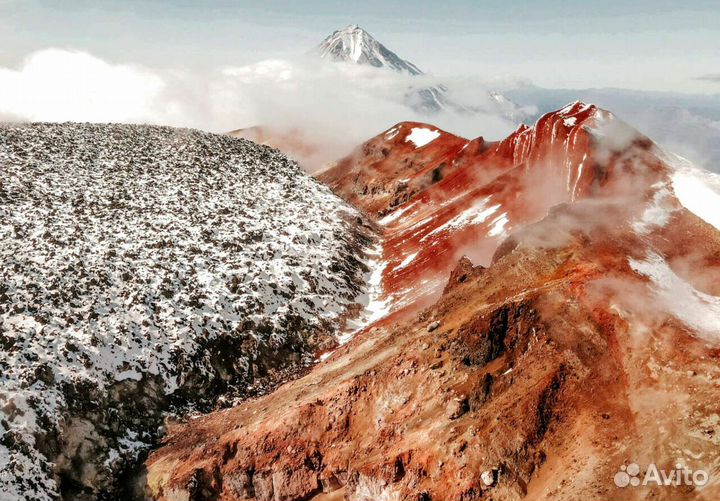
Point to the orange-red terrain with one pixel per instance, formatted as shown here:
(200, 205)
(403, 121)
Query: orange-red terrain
(295, 143)
(551, 314)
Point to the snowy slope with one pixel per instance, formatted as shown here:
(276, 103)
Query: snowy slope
(143, 267)
(697, 189)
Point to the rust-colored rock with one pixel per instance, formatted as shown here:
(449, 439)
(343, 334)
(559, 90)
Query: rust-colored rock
(487, 190)
(548, 371)
(464, 270)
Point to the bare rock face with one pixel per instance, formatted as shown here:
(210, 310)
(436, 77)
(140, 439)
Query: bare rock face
(150, 271)
(568, 357)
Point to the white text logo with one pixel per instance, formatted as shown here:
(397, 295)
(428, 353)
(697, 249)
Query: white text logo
(630, 476)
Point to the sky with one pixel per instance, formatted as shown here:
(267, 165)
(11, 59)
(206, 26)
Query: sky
(642, 44)
(225, 65)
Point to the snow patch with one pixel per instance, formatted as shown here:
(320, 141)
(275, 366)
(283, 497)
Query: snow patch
(699, 192)
(390, 134)
(376, 306)
(579, 176)
(657, 213)
(498, 225)
(693, 307)
(409, 259)
(129, 374)
(422, 136)
(395, 214)
(475, 214)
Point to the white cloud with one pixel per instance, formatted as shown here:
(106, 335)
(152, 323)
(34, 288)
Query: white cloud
(59, 85)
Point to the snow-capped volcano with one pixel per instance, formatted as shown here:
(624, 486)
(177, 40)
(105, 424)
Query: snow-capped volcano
(355, 45)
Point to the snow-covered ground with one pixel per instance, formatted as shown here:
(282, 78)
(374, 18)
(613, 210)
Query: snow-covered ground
(144, 264)
(695, 308)
(373, 301)
(422, 136)
(698, 190)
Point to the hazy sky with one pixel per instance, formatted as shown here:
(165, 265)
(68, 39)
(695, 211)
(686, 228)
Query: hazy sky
(658, 44)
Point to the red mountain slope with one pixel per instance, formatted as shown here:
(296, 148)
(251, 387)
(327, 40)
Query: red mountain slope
(453, 197)
(588, 340)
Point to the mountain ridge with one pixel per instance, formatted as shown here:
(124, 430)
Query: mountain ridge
(529, 370)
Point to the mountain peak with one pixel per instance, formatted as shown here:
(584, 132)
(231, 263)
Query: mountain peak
(353, 44)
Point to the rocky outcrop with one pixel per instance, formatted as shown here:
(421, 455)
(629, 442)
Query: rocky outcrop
(567, 357)
(464, 270)
(147, 272)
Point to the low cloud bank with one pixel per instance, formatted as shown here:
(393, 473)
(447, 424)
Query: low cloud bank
(58, 85)
(336, 106)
